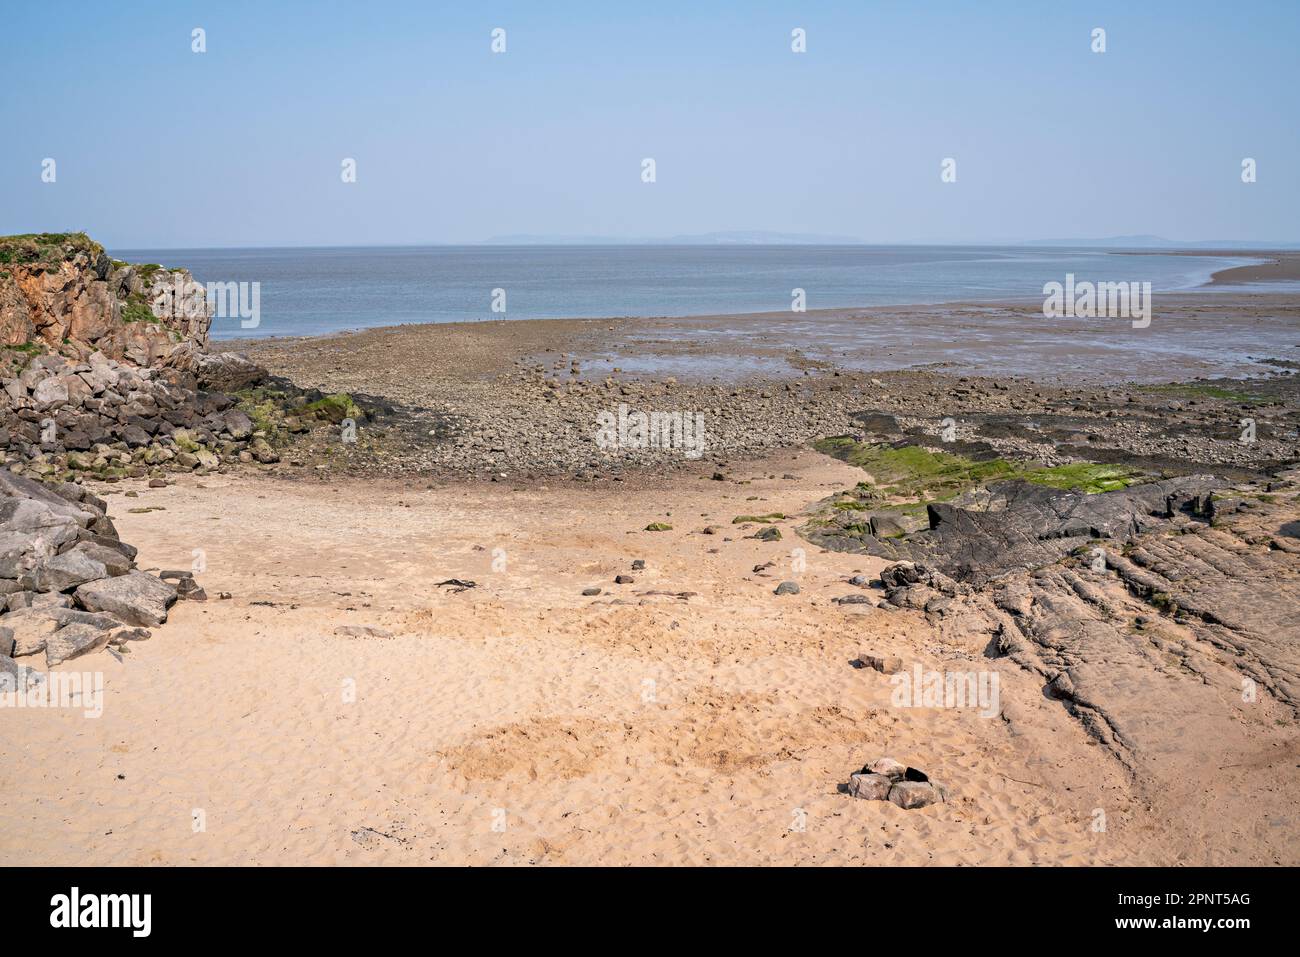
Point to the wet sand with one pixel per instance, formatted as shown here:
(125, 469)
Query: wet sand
(1190, 335)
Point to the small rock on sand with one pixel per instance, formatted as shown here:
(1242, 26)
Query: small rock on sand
(787, 588)
(885, 664)
(363, 631)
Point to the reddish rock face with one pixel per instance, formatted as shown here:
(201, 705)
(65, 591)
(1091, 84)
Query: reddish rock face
(74, 299)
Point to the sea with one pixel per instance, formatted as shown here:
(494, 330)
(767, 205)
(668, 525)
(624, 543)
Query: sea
(316, 291)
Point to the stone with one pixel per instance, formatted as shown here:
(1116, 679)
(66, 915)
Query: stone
(885, 664)
(787, 588)
(769, 534)
(64, 572)
(590, 592)
(624, 580)
(913, 794)
(113, 560)
(858, 599)
(136, 597)
(870, 787)
(362, 631)
(73, 641)
(888, 767)
(30, 629)
(7, 643)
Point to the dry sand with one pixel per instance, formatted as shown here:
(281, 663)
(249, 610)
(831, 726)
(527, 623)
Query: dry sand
(518, 722)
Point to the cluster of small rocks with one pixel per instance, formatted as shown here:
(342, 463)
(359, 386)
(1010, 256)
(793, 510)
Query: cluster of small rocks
(112, 419)
(888, 780)
(68, 584)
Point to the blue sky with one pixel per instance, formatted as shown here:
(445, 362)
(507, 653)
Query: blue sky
(157, 146)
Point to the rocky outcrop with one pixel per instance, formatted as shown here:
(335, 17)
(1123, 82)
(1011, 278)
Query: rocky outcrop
(107, 369)
(1178, 624)
(1022, 526)
(61, 290)
(68, 584)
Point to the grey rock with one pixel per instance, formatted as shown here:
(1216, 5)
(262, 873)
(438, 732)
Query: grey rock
(136, 597)
(913, 794)
(64, 572)
(787, 588)
(114, 562)
(73, 641)
(870, 787)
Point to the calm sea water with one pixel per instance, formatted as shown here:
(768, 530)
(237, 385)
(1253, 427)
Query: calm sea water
(317, 291)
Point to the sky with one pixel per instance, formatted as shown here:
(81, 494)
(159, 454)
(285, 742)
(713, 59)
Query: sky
(157, 146)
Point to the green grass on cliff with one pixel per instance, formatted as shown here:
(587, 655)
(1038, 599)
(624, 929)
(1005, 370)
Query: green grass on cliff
(49, 249)
(923, 475)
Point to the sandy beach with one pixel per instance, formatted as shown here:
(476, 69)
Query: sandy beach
(688, 717)
(350, 703)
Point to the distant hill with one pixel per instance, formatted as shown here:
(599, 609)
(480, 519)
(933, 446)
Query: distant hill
(1159, 242)
(729, 238)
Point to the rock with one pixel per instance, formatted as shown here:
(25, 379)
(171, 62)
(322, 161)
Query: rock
(114, 562)
(858, 599)
(870, 787)
(888, 767)
(263, 452)
(362, 631)
(913, 794)
(187, 589)
(227, 372)
(886, 664)
(638, 564)
(769, 534)
(73, 641)
(7, 642)
(787, 588)
(590, 592)
(624, 580)
(30, 629)
(136, 597)
(64, 572)
(50, 393)
(239, 425)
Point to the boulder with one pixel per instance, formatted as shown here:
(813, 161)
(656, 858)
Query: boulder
(888, 767)
(136, 597)
(913, 794)
(115, 562)
(73, 641)
(64, 572)
(870, 787)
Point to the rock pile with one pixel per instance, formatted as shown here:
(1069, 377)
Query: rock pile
(68, 584)
(888, 780)
(108, 418)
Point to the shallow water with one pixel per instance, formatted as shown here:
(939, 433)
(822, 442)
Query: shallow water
(317, 291)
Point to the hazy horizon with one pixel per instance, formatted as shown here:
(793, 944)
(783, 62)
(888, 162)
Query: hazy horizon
(242, 146)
